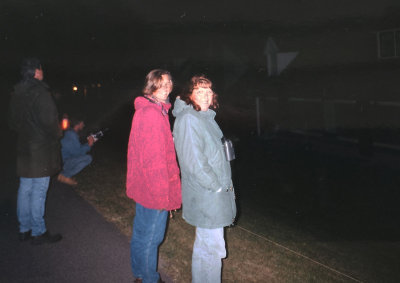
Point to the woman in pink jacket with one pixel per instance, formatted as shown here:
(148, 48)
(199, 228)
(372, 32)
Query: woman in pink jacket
(153, 175)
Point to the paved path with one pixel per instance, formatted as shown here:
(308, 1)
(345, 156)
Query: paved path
(92, 250)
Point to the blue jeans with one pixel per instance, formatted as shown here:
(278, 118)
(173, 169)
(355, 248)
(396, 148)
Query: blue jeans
(208, 250)
(31, 201)
(148, 233)
(74, 165)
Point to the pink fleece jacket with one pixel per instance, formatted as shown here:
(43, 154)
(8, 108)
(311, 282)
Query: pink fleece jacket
(153, 174)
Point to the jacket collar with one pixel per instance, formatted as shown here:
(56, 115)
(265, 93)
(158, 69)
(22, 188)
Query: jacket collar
(143, 101)
(181, 105)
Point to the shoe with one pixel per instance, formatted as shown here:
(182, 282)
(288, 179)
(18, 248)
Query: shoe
(25, 236)
(66, 180)
(46, 237)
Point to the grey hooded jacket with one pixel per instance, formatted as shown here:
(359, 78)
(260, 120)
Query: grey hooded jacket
(208, 198)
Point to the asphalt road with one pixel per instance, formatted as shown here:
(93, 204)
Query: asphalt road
(92, 250)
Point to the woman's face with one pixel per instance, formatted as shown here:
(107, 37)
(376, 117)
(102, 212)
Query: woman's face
(162, 93)
(202, 96)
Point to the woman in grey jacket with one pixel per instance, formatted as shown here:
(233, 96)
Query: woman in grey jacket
(208, 198)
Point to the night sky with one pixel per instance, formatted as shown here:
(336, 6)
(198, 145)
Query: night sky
(105, 36)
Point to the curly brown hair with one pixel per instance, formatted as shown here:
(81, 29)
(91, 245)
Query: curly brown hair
(196, 82)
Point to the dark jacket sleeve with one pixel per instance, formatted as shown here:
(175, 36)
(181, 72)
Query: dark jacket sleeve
(15, 114)
(47, 115)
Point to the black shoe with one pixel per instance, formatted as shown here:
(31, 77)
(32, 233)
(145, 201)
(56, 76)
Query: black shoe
(46, 237)
(25, 236)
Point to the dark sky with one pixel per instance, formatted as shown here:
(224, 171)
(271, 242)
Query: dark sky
(67, 34)
(77, 36)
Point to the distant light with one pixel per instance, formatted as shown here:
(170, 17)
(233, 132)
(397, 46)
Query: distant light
(64, 123)
(74, 88)
(98, 84)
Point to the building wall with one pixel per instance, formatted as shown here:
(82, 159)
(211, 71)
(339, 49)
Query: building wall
(283, 11)
(245, 47)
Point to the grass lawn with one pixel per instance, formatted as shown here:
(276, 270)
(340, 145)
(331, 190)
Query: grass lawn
(265, 246)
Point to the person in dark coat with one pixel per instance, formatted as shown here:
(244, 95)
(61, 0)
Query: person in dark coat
(33, 115)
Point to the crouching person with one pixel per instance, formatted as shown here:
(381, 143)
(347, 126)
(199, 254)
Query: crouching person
(74, 154)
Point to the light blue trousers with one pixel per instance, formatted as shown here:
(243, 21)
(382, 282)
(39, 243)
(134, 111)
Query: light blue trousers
(31, 201)
(208, 250)
(74, 165)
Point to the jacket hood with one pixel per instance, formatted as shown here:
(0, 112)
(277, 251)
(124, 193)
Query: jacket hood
(180, 106)
(141, 102)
